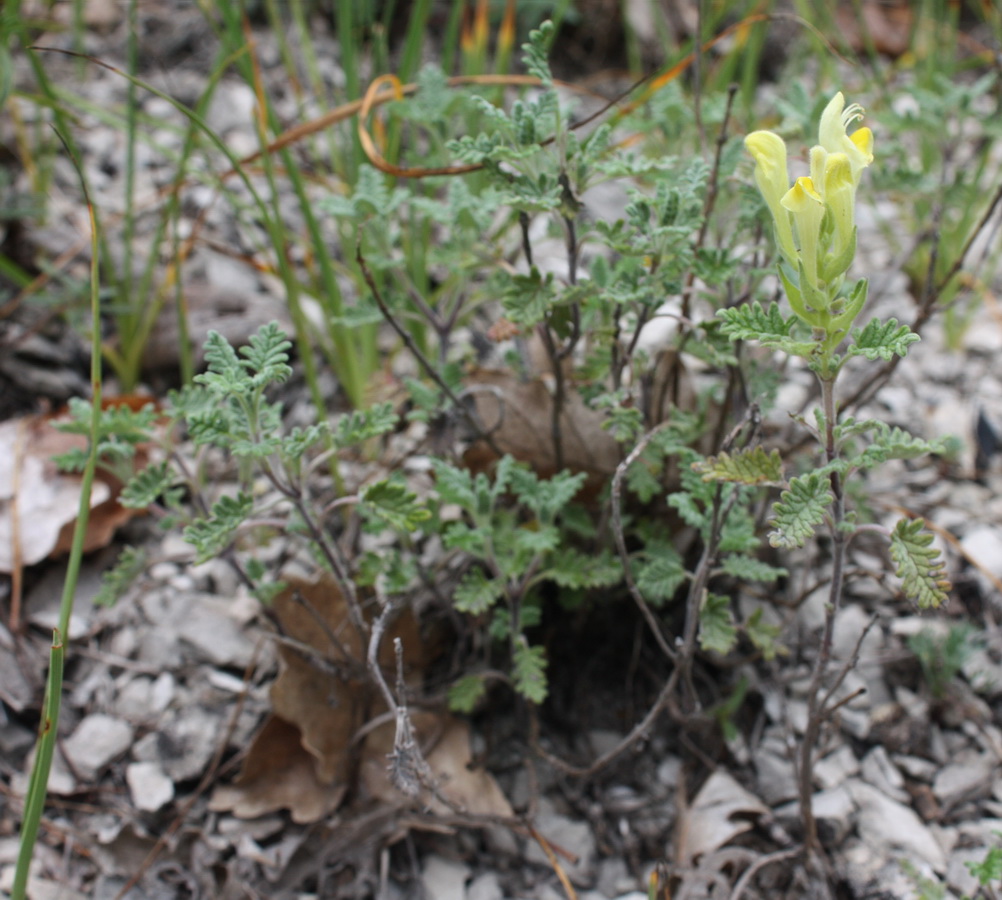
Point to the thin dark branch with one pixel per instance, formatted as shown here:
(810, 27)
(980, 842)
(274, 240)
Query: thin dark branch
(415, 351)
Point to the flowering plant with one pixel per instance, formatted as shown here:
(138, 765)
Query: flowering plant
(814, 220)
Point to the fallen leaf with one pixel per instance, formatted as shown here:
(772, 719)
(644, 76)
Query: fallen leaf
(518, 416)
(278, 774)
(721, 811)
(39, 504)
(320, 700)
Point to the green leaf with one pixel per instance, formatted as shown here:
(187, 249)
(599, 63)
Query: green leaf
(267, 357)
(749, 466)
(537, 540)
(751, 322)
(546, 497)
(460, 536)
(528, 298)
(393, 504)
(893, 443)
(881, 340)
(529, 671)
(147, 486)
(574, 570)
(536, 52)
(226, 375)
(476, 593)
(454, 485)
(717, 631)
(359, 426)
(920, 567)
(764, 636)
(989, 869)
(661, 576)
(748, 568)
(688, 509)
(465, 694)
(115, 581)
(213, 535)
(800, 510)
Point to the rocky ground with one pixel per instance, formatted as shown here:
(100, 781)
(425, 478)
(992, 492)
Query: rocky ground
(166, 690)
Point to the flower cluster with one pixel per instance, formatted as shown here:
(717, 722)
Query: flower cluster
(815, 218)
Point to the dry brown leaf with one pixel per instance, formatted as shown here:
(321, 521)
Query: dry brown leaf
(518, 417)
(322, 698)
(278, 774)
(445, 741)
(721, 811)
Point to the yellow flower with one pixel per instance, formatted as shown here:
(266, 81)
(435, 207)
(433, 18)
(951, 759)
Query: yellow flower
(808, 208)
(772, 179)
(832, 135)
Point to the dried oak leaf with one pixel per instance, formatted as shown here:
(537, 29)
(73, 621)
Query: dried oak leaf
(721, 811)
(518, 416)
(278, 774)
(322, 698)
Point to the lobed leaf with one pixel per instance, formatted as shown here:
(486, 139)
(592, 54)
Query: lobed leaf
(476, 593)
(750, 466)
(717, 631)
(799, 510)
(213, 535)
(115, 581)
(920, 567)
(659, 578)
(147, 486)
(529, 671)
(266, 357)
(752, 322)
(466, 693)
(881, 340)
(392, 504)
(750, 569)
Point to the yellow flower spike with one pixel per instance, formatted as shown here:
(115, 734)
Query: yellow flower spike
(808, 208)
(769, 153)
(833, 137)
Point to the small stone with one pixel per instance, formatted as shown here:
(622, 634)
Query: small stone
(963, 779)
(668, 771)
(836, 768)
(983, 546)
(777, 781)
(854, 722)
(150, 788)
(916, 767)
(212, 631)
(133, 700)
(850, 623)
(485, 887)
(613, 877)
(444, 879)
(97, 741)
(834, 811)
(893, 828)
(879, 771)
(186, 741)
(573, 836)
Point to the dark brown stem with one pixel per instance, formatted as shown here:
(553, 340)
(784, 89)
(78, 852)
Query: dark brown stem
(816, 711)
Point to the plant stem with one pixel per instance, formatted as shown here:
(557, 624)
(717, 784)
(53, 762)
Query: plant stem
(816, 706)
